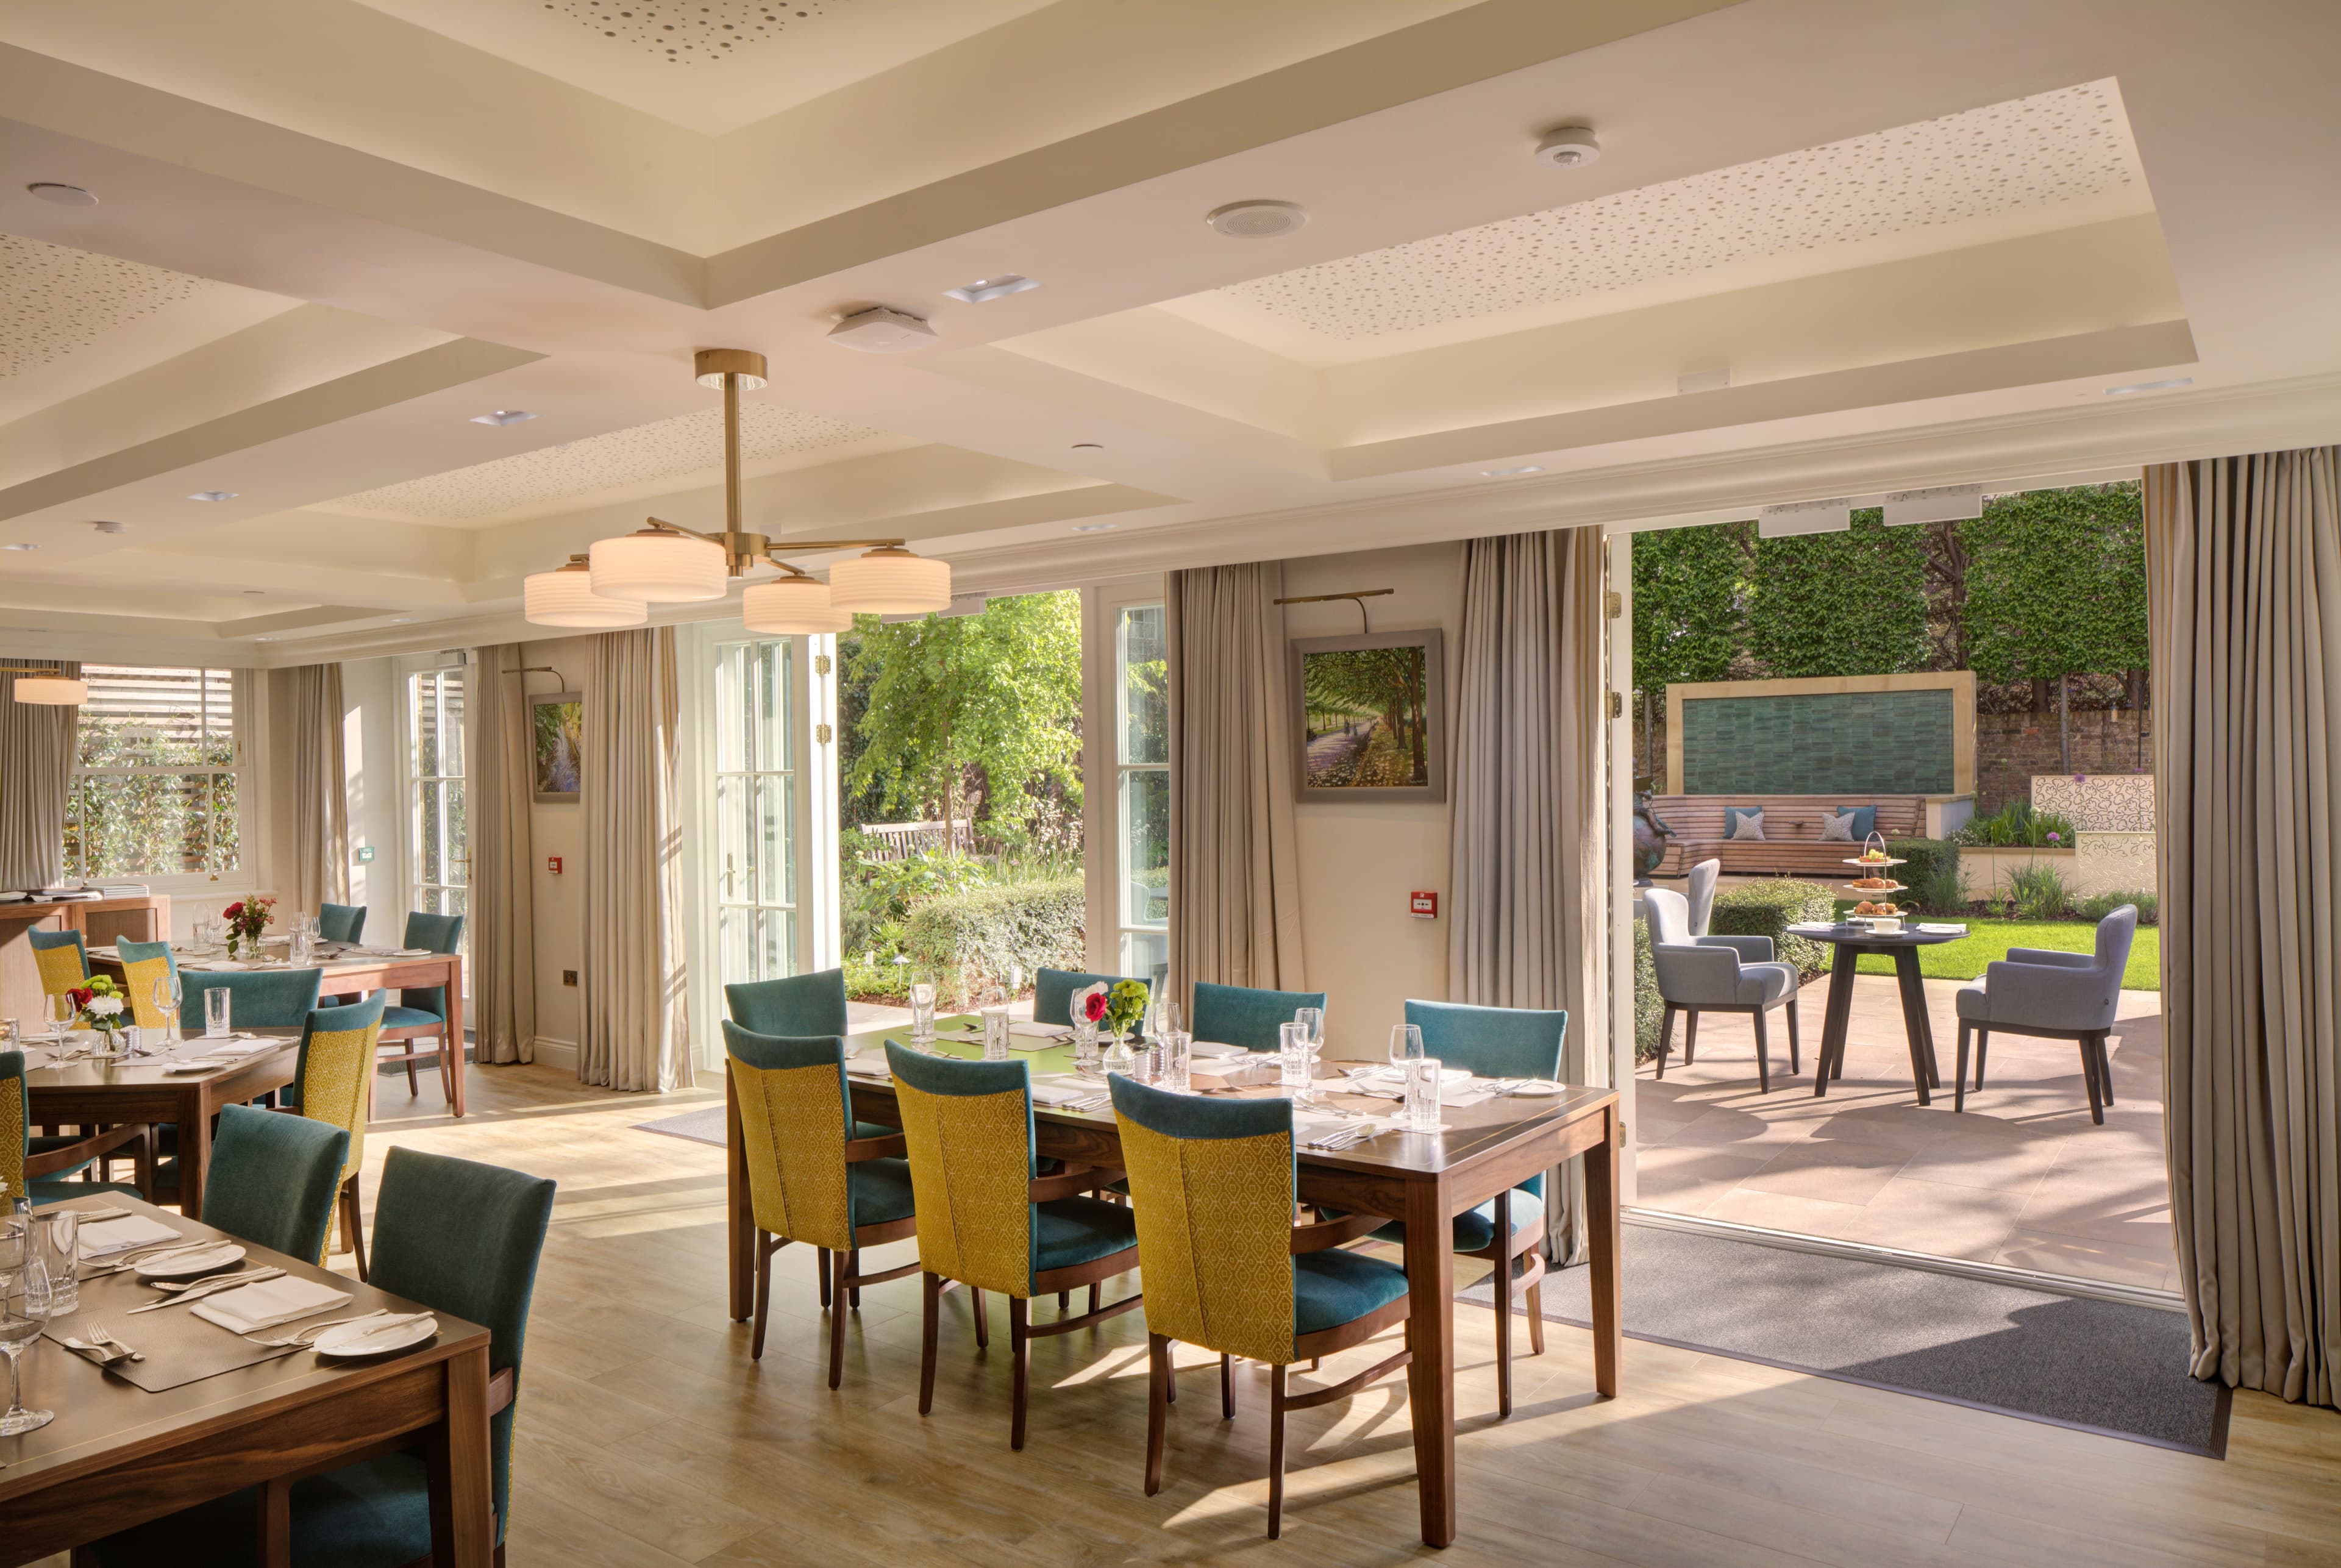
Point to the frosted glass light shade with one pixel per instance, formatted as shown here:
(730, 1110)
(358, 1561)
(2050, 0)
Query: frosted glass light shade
(792, 606)
(567, 598)
(890, 582)
(51, 691)
(656, 568)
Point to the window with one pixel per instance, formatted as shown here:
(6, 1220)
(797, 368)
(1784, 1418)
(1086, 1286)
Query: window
(159, 779)
(755, 811)
(439, 851)
(1142, 787)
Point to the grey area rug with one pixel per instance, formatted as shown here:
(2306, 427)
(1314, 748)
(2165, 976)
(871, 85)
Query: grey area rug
(2070, 1360)
(704, 1126)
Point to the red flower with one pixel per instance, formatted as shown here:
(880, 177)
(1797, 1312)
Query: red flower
(232, 910)
(80, 995)
(1094, 1008)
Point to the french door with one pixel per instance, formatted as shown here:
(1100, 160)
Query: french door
(757, 763)
(438, 839)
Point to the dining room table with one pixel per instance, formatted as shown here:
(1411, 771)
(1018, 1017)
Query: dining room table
(351, 969)
(208, 1412)
(1852, 940)
(1486, 1145)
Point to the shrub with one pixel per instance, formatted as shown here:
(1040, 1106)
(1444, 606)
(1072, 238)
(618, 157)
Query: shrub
(1649, 1008)
(2016, 826)
(2038, 891)
(878, 894)
(1937, 882)
(972, 942)
(2096, 906)
(1769, 909)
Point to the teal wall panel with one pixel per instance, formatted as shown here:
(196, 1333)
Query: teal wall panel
(1827, 742)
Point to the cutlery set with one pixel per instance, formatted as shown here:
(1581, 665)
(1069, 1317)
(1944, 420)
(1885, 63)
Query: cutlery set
(1346, 1138)
(210, 1284)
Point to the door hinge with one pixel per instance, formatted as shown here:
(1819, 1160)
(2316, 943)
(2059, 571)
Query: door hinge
(1617, 705)
(823, 734)
(820, 663)
(1613, 602)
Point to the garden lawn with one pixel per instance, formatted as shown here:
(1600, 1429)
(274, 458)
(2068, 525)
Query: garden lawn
(1988, 940)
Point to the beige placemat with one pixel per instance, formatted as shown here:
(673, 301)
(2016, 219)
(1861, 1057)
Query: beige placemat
(180, 1347)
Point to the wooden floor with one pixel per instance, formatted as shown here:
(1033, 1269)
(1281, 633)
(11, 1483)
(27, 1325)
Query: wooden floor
(646, 1436)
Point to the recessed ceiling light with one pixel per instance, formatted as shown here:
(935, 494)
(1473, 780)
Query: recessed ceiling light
(403, 620)
(1257, 220)
(62, 196)
(989, 288)
(264, 639)
(1509, 473)
(212, 495)
(882, 329)
(19, 546)
(503, 417)
(110, 527)
(1568, 146)
(1089, 447)
(255, 593)
(1095, 527)
(2150, 386)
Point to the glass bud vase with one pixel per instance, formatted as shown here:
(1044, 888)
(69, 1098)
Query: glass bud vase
(1119, 1057)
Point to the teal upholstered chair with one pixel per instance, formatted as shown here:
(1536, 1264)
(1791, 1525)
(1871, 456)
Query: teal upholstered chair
(1052, 992)
(342, 921)
(1239, 1015)
(1498, 1042)
(260, 998)
(62, 960)
(1213, 1187)
(989, 1219)
(37, 1163)
(796, 1007)
(273, 1179)
(455, 1236)
(421, 1012)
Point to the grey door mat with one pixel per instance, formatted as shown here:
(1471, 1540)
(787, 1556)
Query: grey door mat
(2100, 1366)
(704, 1126)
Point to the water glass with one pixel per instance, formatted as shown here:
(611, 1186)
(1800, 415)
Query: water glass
(1085, 1045)
(1422, 1094)
(922, 1013)
(1178, 1055)
(215, 1012)
(995, 1034)
(1292, 1055)
(24, 1308)
(61, 1011)
(56, 1241)
(1405, 1045)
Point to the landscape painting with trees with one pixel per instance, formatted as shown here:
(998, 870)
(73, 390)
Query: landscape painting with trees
(1369, 714)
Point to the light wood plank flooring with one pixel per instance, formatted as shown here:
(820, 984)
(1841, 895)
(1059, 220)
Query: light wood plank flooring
(647, 1437)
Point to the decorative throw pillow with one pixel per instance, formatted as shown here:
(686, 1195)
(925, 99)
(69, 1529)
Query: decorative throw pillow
(1865, 821)
(1836, 827)
(1744, 822)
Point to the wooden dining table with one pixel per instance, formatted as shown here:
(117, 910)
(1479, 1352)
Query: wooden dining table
(1425, 1179)
(118, 1455)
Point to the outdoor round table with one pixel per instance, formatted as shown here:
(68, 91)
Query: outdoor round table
(1851, 942)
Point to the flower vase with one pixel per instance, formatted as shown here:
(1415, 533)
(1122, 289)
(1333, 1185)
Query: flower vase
(1119, 1057)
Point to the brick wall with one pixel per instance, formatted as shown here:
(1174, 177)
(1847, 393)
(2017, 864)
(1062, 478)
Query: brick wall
(2011, 747)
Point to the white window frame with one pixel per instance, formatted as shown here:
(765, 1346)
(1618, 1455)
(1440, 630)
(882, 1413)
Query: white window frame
(1103, 767)
(248, 732)
(410, 867)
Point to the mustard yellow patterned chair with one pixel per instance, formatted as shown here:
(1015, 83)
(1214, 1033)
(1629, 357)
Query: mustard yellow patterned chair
(142, 964)
(329, 1085)
(1213, 1186)
(988, 1219)
(31, 1164)
(62, 960)
(814, 1175)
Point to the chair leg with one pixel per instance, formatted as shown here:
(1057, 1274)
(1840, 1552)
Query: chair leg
(2105, 1069)
(849, 1267)
(1960, 1073)
(846, 1271)
(1276, 1451)
(1097, 1295)
(821, 1266)
(1020, 1341)
(1763, 1056)
(1665, 1038)
(1690, 1035)
(1983, 1049)
(1064, 1301)
(1502, 1280)
(412, 1088)
(934, 1286)
(1795, 1067)
(764, 1292)
(1157, 1408)
(1227, 1387)
(1536, 1318)
(2089, 1077)
(983, 1319)
(354, 1223)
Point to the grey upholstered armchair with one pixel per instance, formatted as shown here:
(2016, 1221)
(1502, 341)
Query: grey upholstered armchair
(2055, 996)
(1716, 974)
(1702, 895)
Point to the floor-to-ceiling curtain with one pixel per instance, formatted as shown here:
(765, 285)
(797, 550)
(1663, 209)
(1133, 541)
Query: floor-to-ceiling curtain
(38, 743)
(1530, 843)
(2245, 567)
(321, 820)
(1235, 870)
(502, 897)
(634, 1033)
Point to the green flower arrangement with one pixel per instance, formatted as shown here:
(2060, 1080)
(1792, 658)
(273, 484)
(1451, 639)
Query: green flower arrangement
(1125, 1006)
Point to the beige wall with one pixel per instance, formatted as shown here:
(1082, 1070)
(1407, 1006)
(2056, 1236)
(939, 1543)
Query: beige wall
(557, 830)
(1358, 862)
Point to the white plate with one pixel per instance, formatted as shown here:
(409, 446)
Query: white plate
(187, 1265)
(1539, 1087)
(352, 1341)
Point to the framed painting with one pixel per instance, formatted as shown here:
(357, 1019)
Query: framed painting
(558, 723)
(1370, 716)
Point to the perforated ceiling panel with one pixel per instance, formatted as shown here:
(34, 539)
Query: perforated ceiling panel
(60, 299)
(684, 34)
(690, 443)
(2052, 148)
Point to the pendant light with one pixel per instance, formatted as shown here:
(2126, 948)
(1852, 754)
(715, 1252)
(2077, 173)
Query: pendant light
(655, 567)
(891, 581)
(565, 597)
(790, 607)
(47, 687)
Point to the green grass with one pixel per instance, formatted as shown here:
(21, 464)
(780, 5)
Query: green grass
(1988, 940)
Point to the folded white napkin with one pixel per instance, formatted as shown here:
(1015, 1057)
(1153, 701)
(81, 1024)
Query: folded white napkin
(1045, 1031)
(232, 1047)
(1391, 1075)
(869, 1064)
(268, 1304)
(1228, 1071)
(109, 1236)
(1202, 1048)
(1063, 1093)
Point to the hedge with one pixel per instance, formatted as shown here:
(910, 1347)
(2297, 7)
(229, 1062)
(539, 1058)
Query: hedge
(972, 941)
(1769, 909)
(1649, 1008)
(1930, 859)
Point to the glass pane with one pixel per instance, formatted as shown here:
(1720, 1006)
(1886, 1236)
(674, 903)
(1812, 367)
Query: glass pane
(1144, 684)
(426, 726)
(735, 938)
(777, 953)
(1145, 954)
(776, 735)
(218, 792)
(775, 862)
(452, 695)
(429, 859)
(736, 867)
(458, 840)
(1146, 848)
(731, 688)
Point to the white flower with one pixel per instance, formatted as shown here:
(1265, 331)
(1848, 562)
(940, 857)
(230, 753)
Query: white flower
(104, 1006)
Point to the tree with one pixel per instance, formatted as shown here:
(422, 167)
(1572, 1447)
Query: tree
(1383, 683)
(2055, 585)
(969, 715)
(1688, 612)
(1850, 603)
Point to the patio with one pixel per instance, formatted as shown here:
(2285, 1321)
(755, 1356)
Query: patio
(2021, 1177)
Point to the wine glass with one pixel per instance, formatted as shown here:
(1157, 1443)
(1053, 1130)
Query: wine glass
(1405, 1045)
(24, 1308)
(168, 993)
(61, 1012)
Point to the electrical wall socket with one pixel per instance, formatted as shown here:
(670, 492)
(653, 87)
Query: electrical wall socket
(569, 977)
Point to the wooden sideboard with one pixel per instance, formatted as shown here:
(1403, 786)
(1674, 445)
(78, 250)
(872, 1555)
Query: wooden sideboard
(101, 920)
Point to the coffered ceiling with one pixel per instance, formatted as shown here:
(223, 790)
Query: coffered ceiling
(1827, 248)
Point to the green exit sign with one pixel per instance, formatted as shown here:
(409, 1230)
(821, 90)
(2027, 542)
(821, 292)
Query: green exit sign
(365, 854)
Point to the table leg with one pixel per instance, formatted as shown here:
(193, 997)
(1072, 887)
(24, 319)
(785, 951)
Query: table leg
(457, 1461)
(454, 1042)
(1836, 1019)
(195, 1150)
(1914, 1020)
(1605, 1238)
(1430, 1336)
(741, 1236)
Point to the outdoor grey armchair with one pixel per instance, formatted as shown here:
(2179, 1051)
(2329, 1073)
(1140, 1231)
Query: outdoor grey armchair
(1702, 895)
(1716, 974)
(2052, 995)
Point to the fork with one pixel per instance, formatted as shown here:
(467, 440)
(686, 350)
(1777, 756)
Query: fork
(98, 1334)
(301, 1337)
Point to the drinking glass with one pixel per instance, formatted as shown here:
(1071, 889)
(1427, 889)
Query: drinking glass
(995, 1034)
(56, 1234)
(1405, 1045)
(1422, 1094)
(1292, 1055)
(61, 1011)
(1178, 1055)
(922, 1013)
(1312, 1026)
(170, 995)
(216, 1011)
(24, 1308)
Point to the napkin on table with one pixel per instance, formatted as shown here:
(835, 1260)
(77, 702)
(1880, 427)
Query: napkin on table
(132, 1231)
(268, 1304)
(1063, 1093)
(1047, 1030)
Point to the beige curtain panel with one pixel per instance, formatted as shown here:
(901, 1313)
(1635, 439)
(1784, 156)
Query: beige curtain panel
(37, 746)
(1235, 870)
(634, 1033)
(321, 822)
(1529, 925)
(503, 901)
(2245, 561)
